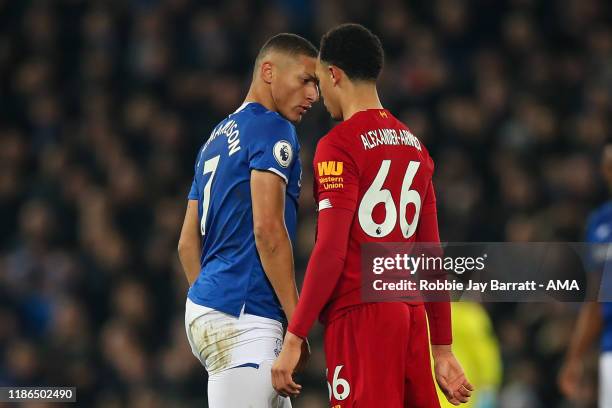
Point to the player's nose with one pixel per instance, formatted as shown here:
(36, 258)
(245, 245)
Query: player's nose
(312, 94)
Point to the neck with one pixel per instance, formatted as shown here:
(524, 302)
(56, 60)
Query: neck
(257, 93)
(359, 97)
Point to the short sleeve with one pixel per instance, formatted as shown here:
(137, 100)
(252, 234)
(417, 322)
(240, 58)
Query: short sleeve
(273, 145)
(336, 177)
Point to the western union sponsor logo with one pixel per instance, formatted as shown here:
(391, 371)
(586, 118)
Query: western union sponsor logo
(330, 168)
(331, 180)
(330, 186)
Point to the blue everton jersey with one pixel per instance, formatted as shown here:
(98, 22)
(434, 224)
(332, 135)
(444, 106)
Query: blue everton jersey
(599, 230)
(231, 275)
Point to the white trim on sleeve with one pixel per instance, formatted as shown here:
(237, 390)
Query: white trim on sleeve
(276, 171)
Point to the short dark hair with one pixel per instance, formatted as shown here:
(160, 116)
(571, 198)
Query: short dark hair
(354, 49)
(289, 43)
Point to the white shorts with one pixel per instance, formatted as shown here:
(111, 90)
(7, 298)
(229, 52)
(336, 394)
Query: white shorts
(605, 380)
(238, 353)
(244, 387)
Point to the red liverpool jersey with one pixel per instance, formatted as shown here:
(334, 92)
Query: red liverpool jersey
(374, 176)
(373, 165)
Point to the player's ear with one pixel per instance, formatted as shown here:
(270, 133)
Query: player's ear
(335, 74)
(266, 72)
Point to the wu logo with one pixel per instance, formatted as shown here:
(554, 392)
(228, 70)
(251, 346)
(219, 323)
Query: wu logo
(330, 168)
(383, 114)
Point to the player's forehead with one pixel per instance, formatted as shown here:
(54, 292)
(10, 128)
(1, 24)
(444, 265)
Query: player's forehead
(303, 63)
(304, 67)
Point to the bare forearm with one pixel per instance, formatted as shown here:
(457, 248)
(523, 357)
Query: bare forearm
(276, 257)
(587, 329)
(189, 256)
(189, 245)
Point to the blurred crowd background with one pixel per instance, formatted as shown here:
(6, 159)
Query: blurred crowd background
(104, 104)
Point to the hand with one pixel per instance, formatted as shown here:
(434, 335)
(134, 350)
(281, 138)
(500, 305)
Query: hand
(293, 356)
(450, 376)
(569, 378)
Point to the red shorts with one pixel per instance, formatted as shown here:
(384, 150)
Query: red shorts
(378, 356)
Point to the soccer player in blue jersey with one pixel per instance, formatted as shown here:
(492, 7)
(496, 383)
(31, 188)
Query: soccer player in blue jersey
(236, 242)
(595, 318)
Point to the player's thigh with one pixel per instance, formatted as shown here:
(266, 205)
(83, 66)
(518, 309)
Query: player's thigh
(419, 387)
(221, 341)
(365, 353)
(245, 387)
(605, 380)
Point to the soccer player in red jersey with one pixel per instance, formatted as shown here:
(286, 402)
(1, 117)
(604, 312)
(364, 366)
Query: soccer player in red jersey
(372, 184)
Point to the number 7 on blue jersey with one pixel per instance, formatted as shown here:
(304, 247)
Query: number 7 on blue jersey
(210, 166)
